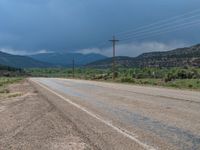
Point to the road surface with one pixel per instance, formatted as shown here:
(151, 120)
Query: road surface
(117, 116)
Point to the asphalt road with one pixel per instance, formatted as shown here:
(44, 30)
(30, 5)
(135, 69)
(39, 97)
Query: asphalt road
(118, 116)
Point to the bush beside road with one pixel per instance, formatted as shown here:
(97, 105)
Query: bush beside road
(186, 78)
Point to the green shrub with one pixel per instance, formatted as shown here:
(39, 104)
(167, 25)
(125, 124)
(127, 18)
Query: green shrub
(190, 85)
(128, 80)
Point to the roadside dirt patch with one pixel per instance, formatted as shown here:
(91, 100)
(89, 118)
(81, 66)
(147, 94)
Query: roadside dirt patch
(2, 108)
(28, 121)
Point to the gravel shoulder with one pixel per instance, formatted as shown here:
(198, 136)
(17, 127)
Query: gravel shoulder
(31, 121)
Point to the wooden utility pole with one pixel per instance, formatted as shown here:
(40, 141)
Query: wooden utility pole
(114, 41)
(73, 67)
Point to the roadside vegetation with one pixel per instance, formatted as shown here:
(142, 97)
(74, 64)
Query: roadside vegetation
(9, 75)
(188, 78)
(6, 71)
(5, 81)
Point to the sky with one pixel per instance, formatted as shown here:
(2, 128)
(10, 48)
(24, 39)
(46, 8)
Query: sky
(45, 26)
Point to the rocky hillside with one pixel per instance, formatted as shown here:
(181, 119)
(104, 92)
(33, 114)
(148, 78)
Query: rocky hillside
(189, 56)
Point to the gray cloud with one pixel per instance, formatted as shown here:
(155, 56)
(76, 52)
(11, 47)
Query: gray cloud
(134, 49)
(73, 25)
(24, 52)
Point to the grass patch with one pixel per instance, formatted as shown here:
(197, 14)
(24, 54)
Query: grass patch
(184, 83)
(9, 80)
(14, 95)
(5, 81)
(3, 90)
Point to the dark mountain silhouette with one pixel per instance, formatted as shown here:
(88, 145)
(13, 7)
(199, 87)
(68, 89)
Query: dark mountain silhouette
(65, 59)
(20, 61)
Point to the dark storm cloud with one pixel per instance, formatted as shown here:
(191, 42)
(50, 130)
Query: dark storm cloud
(57, 25)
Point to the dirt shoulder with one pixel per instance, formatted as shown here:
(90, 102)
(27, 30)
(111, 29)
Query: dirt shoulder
(30, 121)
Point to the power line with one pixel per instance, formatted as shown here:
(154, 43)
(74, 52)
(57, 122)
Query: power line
(176, 23)
(158, 22)
(162, 26)
(161, 31)
(158, 33)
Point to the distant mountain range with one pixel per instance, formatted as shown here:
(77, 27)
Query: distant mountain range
(48, 60)
(188, 56)
(20, 61)
(65, 59)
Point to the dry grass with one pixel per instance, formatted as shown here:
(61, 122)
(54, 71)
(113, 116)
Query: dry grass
(4, 82)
